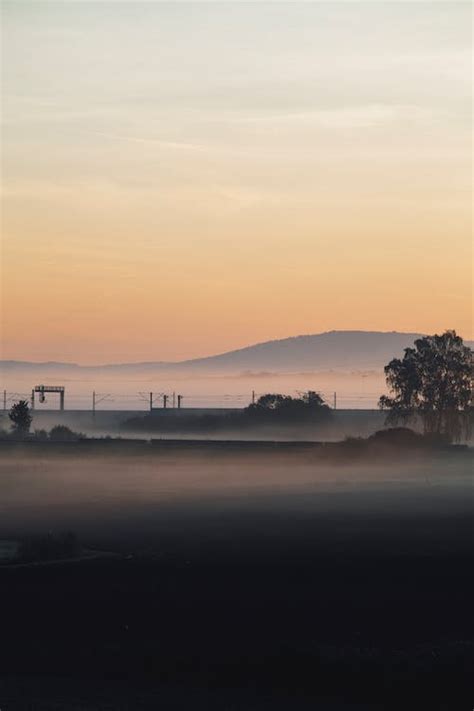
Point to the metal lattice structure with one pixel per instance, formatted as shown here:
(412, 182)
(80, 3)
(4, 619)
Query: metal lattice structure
(42, 389)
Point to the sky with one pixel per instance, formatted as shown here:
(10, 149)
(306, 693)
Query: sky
(180, 179)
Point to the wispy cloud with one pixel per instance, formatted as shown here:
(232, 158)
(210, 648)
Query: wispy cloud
(344, 117)
(155, 141)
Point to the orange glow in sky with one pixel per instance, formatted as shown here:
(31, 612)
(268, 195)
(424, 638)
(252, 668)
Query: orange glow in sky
(180, 180)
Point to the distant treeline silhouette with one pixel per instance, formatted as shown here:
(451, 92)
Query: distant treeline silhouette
(58, 433)
(269, 409)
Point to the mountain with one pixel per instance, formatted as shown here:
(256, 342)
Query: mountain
(341, 350)
(335, 349)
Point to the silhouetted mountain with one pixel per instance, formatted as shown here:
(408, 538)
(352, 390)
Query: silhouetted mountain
(335, 349)
(342, 350)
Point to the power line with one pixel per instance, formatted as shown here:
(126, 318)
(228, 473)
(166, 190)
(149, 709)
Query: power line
(9, 397)
(100, 397)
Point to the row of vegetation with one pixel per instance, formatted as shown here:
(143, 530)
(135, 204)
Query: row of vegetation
(21, 419)
(431, 384)
(269, 411)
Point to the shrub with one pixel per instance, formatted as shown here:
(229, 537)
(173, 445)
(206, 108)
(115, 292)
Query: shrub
(61, 433)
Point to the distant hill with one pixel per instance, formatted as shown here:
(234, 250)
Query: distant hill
(341, 350)
(335, 349)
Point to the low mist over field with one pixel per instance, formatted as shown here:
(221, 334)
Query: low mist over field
(105, 497)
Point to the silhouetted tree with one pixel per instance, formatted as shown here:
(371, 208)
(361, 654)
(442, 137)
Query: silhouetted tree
(270, 402)
(313, 400)
(271, 407)
(433, 381)
(21, 418)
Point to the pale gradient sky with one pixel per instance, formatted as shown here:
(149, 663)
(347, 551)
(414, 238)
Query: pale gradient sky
(181, 179)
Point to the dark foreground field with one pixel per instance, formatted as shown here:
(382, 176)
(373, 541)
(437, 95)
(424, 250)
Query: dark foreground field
(327, 593)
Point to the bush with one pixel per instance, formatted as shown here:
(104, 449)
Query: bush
(40, 435)
(61, 433)
(405, 437)
(401, 436)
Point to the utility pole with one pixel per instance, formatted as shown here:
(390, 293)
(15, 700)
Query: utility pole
(149, 398)
(4, 400)
(174, 400)
(335, 401)
(180, 397)
(99, 397)
(165, 400)
(253, 397)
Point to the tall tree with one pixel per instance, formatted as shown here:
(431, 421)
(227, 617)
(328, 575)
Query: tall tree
(21, 418)
(434, 382)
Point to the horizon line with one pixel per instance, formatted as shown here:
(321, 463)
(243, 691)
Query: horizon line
(206, 357)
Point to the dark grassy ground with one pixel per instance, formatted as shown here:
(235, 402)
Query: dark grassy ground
(289, 600)
(229, 630)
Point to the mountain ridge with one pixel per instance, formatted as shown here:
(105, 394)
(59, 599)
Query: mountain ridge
(333, 349)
